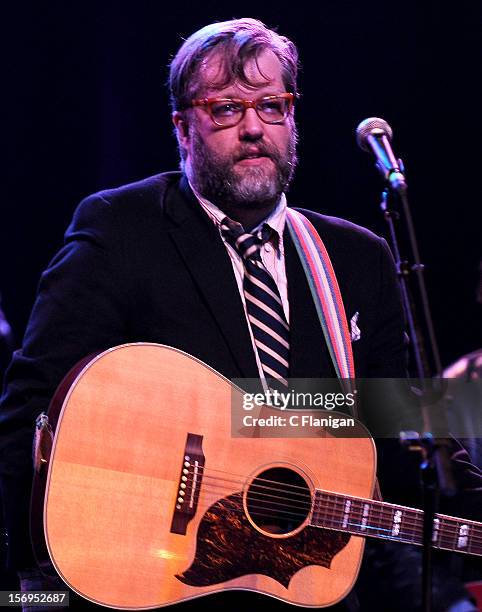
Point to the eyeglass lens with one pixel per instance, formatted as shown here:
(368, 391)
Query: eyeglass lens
(269, 110)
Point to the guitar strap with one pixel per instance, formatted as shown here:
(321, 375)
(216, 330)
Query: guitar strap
(326, 295)
(328, 301)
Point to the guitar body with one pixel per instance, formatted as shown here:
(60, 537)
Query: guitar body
(123, 531)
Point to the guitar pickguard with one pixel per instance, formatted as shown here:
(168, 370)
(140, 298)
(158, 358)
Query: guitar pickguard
(228, 547)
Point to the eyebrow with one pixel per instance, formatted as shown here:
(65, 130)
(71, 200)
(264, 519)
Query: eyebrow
(238, 97)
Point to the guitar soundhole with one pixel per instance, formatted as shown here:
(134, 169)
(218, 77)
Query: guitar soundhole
(278, 500)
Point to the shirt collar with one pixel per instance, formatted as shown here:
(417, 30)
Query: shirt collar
(276, 220)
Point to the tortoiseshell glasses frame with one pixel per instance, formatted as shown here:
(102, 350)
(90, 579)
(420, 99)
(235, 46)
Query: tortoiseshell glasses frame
(228, 112)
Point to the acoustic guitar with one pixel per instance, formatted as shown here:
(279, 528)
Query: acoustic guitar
(150, 497)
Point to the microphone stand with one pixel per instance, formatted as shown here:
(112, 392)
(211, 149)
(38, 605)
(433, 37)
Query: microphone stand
(436, 472)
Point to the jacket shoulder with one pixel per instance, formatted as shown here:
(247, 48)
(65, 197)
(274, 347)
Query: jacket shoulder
(148, 190)
(130, 202)
(142, 188)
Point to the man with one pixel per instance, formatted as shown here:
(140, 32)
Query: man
(160, 260)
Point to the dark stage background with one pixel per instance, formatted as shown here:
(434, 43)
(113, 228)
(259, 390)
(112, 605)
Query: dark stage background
(85, 107)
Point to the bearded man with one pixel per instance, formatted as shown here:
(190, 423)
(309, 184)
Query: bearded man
(163, 260)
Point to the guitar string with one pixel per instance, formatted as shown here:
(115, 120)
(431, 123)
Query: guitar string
(414, 521)
(278, 489)
(355, 529)
(409, 523)
(308, 495)
(400, 537)
(307, 511)
(306, 508)
(243, 477)
(342, 501)
(385, 523)
(450, 532)
(261, 496)
(339, 502)
(409, 520)
(448, 529)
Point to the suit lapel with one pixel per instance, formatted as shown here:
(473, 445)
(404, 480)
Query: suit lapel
(203, 251)
(309, 355)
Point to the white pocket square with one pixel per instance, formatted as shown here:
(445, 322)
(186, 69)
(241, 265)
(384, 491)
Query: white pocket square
(355, 330)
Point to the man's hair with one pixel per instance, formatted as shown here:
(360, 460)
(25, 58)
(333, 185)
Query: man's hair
(237, 42)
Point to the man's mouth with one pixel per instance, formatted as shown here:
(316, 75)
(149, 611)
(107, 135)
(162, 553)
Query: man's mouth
(252, 161)
(252, 158)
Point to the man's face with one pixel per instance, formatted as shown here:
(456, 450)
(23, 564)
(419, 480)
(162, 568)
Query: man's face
(246, 165)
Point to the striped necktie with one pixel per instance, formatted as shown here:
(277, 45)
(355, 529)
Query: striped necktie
(263, 302)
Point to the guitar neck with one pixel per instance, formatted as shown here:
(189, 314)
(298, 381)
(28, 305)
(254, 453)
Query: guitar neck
(370, 518)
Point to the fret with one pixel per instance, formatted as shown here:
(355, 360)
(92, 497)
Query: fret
(388, 520)
(381, 523)
(408, 529)
(327, 509)
(357, 516)
(388, 516)
(418, 527)
(455, 535)
(313, 507)
(330, 510)
(442, 533)
(343, 509)
(448, 533)
(326, 506)
(375, 528)
(410, 526)
(323, 507)
(316, 507)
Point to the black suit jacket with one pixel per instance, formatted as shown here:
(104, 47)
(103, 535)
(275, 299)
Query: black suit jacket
(144, 263)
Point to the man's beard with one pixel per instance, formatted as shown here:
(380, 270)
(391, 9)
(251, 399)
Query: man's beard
(259, 186)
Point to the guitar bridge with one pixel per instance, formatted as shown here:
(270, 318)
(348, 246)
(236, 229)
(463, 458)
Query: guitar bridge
(189, 484)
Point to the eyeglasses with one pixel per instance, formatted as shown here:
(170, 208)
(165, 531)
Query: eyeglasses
(227, 112)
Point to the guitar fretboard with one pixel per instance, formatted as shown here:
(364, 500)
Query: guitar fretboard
(381, 520)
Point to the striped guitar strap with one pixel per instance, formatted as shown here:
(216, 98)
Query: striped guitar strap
(326, 294)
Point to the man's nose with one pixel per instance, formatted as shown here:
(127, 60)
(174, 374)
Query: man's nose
(251, 126)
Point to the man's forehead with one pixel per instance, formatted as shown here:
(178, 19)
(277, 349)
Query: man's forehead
(261, 71)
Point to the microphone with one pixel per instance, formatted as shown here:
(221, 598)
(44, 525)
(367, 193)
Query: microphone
(374, 135)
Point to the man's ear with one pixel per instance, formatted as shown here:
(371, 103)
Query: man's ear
(182, 128)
